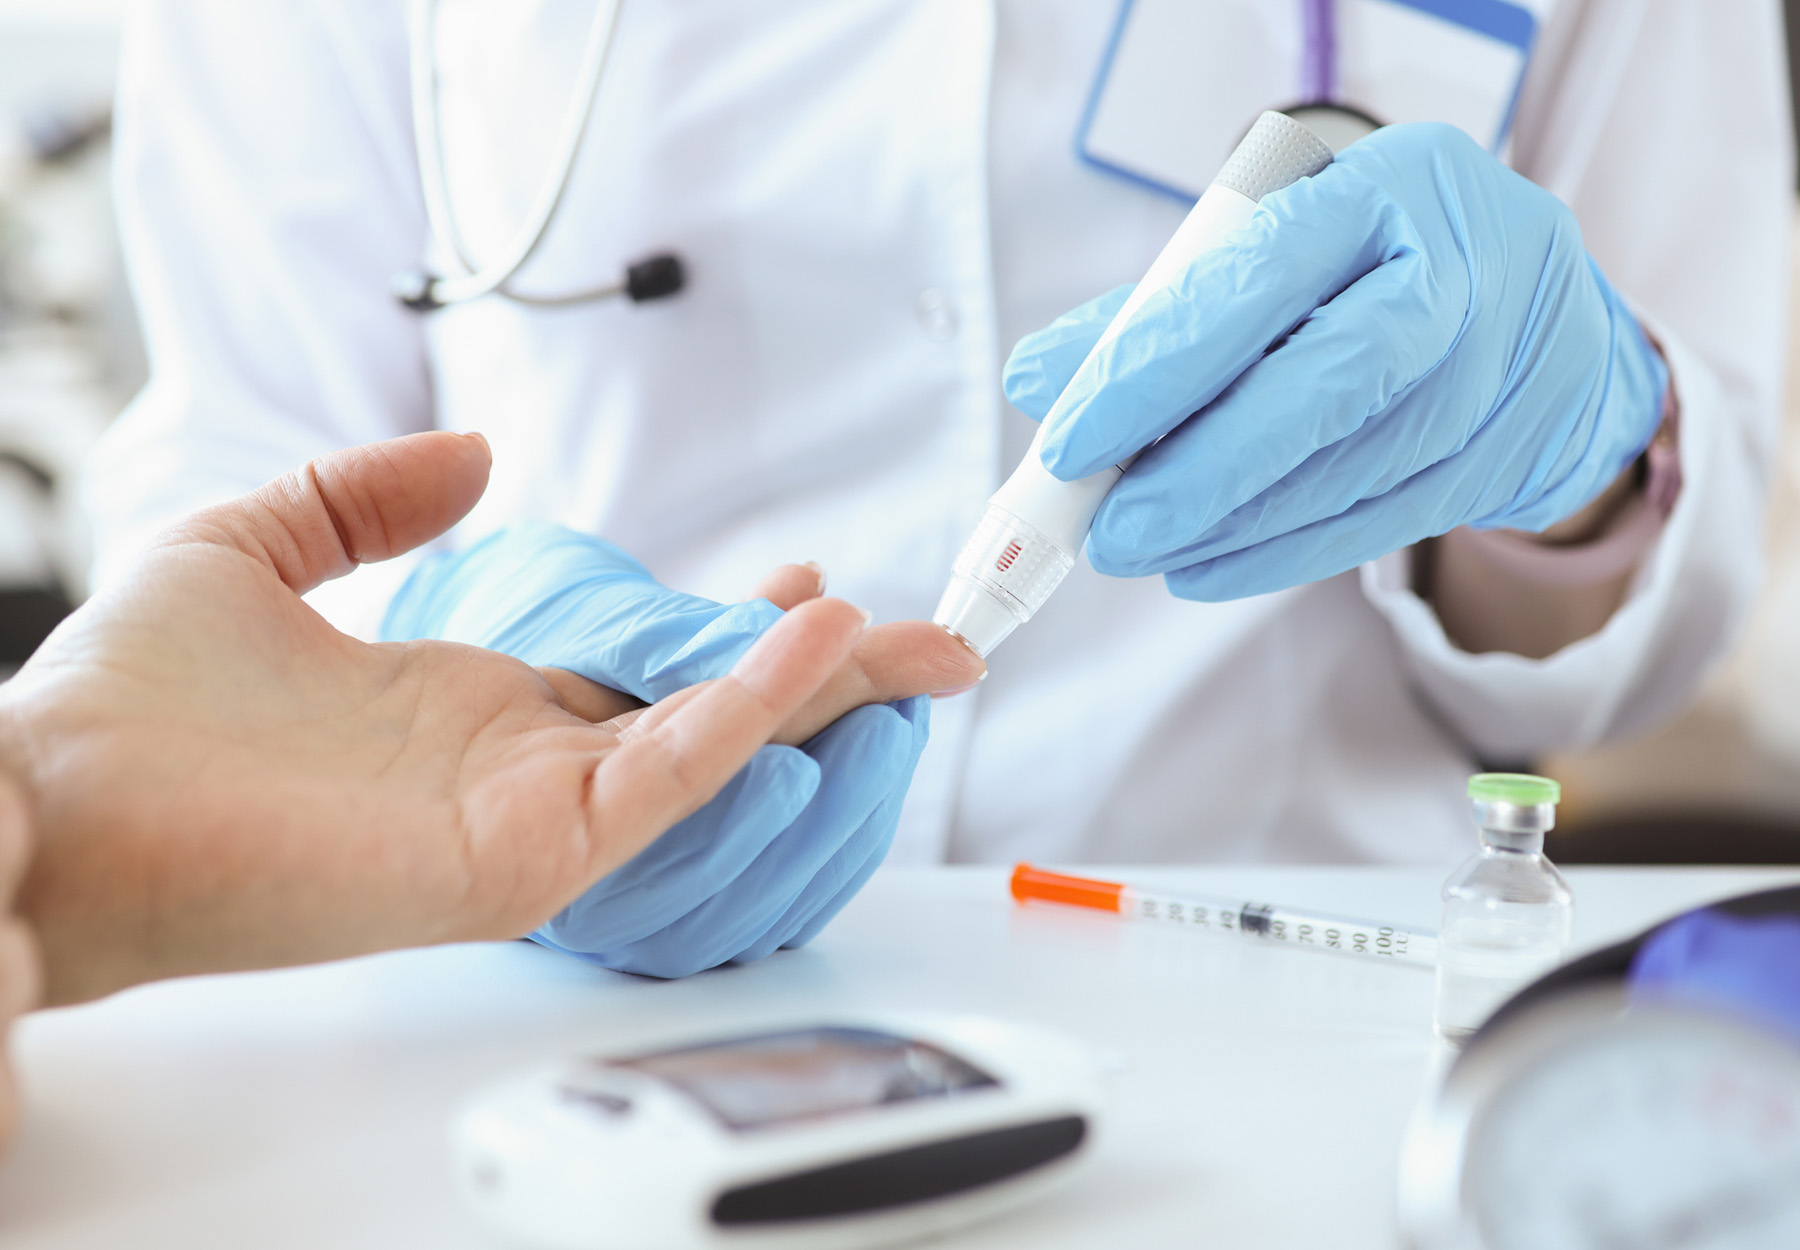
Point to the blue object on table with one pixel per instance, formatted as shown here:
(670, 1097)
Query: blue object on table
(1742, 966)
(1410, 341)
(779, 850)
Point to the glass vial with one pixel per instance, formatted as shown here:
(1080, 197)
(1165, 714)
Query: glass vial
(1508, 913)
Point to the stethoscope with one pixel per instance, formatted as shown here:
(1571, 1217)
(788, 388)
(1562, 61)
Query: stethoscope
(663, 274)
(651, 278)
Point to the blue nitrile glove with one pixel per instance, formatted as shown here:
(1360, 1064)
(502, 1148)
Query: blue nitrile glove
(559, 599)
(766, 864)
(1411, 341)
(779, 850)
(1717, 962)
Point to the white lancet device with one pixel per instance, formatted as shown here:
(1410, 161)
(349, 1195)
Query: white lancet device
(1035, 525)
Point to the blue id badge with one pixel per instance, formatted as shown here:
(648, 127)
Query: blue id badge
(1181, 79)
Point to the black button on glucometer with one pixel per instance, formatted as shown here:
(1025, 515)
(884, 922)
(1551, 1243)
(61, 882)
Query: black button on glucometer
(896, 1178)
(613, 1105)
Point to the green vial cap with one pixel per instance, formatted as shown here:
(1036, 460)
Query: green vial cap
(1519, 789)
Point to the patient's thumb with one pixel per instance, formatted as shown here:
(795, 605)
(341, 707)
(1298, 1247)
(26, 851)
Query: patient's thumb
(350, 507)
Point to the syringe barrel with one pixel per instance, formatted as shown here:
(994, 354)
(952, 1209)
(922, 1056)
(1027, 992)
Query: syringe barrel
(1035, 525)
(1342, 935)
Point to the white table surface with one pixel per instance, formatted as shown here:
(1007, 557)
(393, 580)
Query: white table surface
(1259, 1093)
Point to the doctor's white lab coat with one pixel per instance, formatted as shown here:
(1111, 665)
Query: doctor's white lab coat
(875, 199)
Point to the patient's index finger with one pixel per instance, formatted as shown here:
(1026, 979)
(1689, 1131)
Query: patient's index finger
(890, 662)
(678, 762)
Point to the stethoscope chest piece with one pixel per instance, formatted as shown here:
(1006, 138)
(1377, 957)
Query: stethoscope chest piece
(654, 277)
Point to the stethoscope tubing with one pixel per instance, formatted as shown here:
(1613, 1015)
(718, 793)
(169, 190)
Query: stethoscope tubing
(479, 280)
(426, 291)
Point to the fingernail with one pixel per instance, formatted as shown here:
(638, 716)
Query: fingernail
(967, 645)
(947, 694)
(868, 617)
(819, 570)
(480, 438)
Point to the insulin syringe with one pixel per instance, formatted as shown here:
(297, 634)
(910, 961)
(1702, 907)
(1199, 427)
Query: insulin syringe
(1268, 921)
(1034, 526)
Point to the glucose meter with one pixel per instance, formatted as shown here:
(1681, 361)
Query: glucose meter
(856, 1133)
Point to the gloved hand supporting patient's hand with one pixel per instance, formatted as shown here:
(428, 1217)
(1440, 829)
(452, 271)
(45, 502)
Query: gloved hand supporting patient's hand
(1410, 341)
(220, 780)
(771, 859)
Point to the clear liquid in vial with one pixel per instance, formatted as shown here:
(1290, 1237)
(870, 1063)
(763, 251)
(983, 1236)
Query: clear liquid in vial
(1483, 961)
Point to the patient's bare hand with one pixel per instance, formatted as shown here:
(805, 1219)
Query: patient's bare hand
(220, 780)
(18, 952)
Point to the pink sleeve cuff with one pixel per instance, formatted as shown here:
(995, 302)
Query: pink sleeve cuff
(1631, 535)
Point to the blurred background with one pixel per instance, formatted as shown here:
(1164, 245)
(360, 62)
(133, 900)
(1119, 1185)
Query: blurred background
(1720, 784)
(69, 349)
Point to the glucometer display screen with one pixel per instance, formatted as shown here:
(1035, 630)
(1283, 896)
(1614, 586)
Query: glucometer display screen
(775, 1078)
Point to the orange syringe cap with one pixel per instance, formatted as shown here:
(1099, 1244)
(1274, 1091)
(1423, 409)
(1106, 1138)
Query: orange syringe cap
(1055, 887)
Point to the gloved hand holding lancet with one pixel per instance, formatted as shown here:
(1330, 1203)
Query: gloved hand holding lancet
(1035, 524)
(1414, 341)
(1410, 340)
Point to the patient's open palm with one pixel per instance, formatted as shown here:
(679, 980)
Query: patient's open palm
(221, 779)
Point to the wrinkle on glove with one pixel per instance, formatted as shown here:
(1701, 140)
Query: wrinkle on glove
(1741, 966)
(1410, 341)
(557, 598)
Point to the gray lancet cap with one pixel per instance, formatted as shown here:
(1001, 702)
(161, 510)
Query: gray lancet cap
(1277, 152)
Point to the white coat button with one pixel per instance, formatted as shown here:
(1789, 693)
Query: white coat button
(937, 314)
